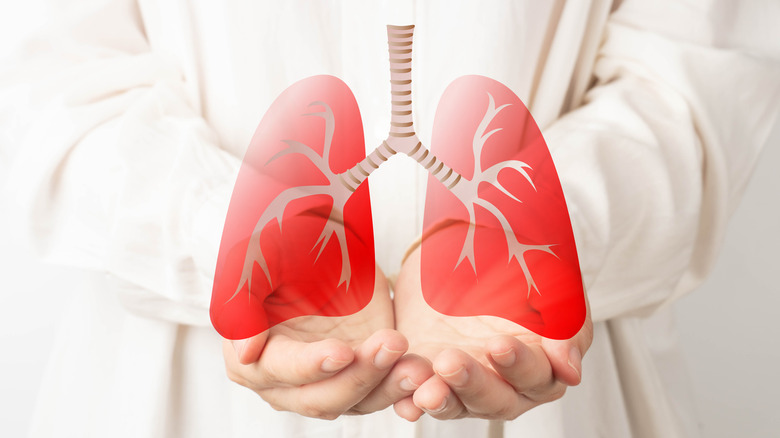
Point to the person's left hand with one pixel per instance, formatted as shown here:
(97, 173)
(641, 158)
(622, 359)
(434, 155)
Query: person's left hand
(485, 366)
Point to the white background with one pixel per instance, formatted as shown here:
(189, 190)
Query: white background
(729, 327)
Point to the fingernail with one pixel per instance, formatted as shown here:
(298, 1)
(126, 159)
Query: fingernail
(331, 366)
(239, 345)
(440, 408)
(458, 378)
(407, 385)
(505, 359)
(385, 357)
(575, 360)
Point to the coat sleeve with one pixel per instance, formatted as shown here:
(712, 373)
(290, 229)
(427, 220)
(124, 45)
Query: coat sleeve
(653, 163)
(112, 167)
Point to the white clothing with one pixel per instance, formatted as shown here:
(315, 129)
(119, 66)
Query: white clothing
(126, 125)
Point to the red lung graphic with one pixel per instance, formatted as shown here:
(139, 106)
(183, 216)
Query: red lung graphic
(284, 250)
(529, 275)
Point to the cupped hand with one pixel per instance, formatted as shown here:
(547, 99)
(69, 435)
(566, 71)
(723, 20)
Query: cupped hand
(324, 367)
(484, 366)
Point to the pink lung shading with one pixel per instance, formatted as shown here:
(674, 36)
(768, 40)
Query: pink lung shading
(529, 274)
(281, 253)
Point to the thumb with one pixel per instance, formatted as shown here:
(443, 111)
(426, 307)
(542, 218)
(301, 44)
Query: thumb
(248, 350)
(566, 355)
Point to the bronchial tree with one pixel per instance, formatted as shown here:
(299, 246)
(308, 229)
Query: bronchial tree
(335, 187)
(401, 139)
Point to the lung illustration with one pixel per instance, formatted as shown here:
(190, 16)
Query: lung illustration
(298, 238)
(498, 241)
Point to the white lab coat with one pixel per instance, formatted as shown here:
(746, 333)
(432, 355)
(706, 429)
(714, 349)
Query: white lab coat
(125, 125)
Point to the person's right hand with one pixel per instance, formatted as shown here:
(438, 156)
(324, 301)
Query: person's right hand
(324, 367)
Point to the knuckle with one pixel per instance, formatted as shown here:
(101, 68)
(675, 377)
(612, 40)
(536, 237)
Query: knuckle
(369, 405)
(503, 413)
(546, 393)
(507, 415)
(532, 383)
(314, 410)
(274, 405)
(249, 381)
(321, 414)
(359, 410)
(233, 376)
(330, 416)
(557, 394)
(522, 388)
(270, 376)
(308, 409)
(361, 383)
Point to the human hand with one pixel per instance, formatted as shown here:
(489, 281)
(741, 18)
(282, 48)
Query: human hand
(324, 367)
(484, 366)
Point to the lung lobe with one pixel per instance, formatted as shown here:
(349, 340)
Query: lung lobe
(281, 251)
(500, 242)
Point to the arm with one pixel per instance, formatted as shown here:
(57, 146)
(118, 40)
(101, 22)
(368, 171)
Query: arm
(652, 163)
(656, 158)
(114, 169)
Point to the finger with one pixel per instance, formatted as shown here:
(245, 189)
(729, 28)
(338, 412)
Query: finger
(436, 399)
(406, 409)
(287, 362)
(526, 368)
(332, 397)
(483, 393)
(407, 375)
(566, 356)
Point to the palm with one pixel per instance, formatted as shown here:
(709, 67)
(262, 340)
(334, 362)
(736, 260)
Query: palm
(352, 329)
(485, 366)
(430, 332)
(325, 366)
